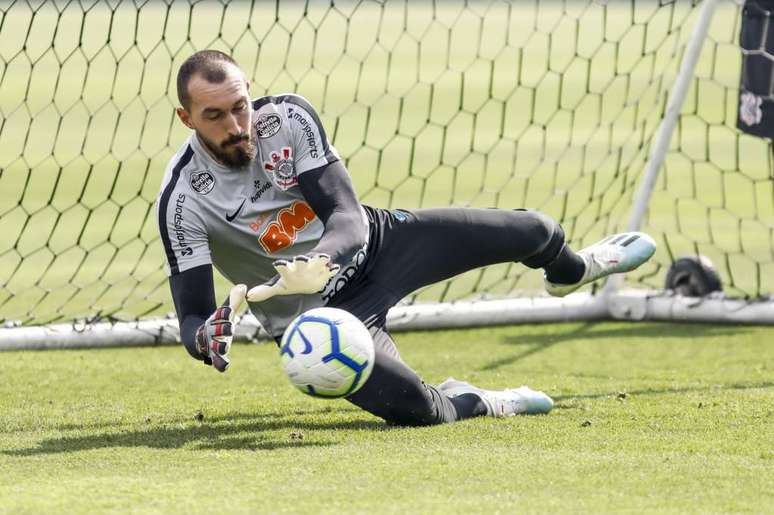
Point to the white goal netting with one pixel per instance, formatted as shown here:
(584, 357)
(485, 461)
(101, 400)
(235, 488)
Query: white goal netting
(548, 105)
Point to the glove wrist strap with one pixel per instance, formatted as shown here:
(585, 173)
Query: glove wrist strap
(201, 343)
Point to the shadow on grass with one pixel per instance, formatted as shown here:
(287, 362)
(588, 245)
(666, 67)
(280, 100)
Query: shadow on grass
(215, 433)
(592, 331)
(227, 417)
(662, 391)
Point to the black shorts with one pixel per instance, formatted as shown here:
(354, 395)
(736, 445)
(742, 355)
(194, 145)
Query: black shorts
(409, 249)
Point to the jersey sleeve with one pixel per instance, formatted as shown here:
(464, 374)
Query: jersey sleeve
(311, 148)
(182, 230)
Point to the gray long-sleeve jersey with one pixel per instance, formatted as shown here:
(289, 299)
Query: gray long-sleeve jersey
(242, 220)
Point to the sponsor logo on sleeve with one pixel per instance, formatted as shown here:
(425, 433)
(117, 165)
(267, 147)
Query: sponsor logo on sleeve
(750, 108)
(281, 167)
(267, 125)
(306, 127)
(202, 182)
(177, 224)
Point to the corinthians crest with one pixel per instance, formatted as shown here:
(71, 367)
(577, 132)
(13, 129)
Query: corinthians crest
(750, 108)
(282, 168)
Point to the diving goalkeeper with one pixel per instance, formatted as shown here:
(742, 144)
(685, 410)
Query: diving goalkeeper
(258, 191)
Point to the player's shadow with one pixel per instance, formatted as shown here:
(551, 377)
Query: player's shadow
(250, 432)
(592, 331)
(229, 417)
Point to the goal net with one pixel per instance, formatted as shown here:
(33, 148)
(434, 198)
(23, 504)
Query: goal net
(548, 105)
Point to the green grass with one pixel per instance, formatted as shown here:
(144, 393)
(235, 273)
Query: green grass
(661, 418)
(430, 104)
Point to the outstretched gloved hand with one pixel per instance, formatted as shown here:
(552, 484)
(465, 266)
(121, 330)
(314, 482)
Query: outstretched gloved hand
(301, 275)
(214, 336)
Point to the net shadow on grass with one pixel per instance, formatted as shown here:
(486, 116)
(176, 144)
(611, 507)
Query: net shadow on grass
(211, 434)
(591, 331)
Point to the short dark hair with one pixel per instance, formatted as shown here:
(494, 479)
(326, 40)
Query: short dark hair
(210, 64)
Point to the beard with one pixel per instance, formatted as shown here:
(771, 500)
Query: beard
(228, 153)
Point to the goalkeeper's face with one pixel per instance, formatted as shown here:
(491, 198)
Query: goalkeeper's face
(220, 115)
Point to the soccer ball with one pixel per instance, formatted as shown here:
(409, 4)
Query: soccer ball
(327, 352)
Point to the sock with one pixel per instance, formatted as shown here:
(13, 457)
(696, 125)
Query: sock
(567, 268)
(469, 405)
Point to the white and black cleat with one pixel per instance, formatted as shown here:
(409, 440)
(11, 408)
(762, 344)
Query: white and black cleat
(613, 255)
(502, 403)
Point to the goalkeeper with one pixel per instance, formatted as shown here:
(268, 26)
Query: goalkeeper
(258, 191)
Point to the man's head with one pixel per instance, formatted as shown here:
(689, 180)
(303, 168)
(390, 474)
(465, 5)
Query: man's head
(215, 103)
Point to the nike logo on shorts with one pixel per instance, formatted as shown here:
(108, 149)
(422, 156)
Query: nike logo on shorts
(230, 218)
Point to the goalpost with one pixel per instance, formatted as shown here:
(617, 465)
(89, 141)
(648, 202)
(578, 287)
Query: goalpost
(606, 115)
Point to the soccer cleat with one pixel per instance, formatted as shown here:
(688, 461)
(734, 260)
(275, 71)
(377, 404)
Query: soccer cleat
(615, 254)
(501, 403)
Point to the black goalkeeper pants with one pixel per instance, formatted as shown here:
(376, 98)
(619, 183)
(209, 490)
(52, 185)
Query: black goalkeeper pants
(409, 249)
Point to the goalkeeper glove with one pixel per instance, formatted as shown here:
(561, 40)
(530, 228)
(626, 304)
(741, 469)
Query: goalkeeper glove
(302, 274)
(213, 338)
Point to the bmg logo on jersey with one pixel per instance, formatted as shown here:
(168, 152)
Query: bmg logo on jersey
(202, 182)
(281, 233)
(282, 168)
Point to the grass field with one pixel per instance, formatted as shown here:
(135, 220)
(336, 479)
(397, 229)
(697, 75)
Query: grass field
(430, 104)
(656, 418)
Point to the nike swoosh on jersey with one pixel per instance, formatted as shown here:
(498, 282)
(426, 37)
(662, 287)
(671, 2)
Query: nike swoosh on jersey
(230, 218)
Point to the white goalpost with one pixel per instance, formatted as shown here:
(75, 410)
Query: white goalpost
(607, 116)
(670, 306)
